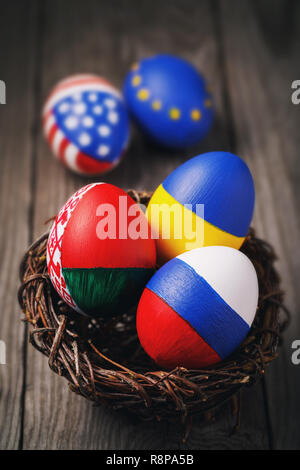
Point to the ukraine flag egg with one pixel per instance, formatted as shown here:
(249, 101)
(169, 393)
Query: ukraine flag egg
(100, 254)
(208, 200)
(198, 308)
(86, 124)
(170, 100)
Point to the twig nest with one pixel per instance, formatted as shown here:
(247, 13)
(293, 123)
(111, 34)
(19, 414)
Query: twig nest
(104, 362)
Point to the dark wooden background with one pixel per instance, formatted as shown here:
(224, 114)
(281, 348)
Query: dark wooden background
(249, 52)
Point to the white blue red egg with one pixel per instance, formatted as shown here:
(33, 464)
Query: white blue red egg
(86, 124)
(198, 308)
(170, 100)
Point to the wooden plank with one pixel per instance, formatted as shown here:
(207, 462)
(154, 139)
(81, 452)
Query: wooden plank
(17, 58)
(262, 61)
(105, 38)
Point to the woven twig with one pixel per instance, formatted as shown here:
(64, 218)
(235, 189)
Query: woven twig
(105, 363)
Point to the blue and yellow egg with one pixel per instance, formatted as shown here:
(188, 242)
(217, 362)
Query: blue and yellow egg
(169, 100)
(208, 200)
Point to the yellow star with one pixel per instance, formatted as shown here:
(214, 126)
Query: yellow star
(196, 114)
(174, 113)
(208, 103)
(156, 105)
(136, 80)
(143, 94)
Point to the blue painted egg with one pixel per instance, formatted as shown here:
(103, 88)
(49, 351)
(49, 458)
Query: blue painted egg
(198, 308)
(170, 101)
(208, 200)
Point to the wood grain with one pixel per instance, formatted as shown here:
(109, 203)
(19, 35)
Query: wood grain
(249, 52)
(17, 70)
(105, 38)
(261, 52)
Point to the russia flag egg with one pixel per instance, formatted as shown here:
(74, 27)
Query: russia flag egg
(208, 200)
(98, 257)
(86, 124)
(170, 100)
(198, 308)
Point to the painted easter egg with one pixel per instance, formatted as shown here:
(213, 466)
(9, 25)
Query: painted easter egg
(99, 258)
(86, 124)
(170, 100)
(208, 200)
(198, 308)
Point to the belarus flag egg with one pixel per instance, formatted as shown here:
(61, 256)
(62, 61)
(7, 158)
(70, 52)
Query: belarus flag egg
(100, 254)
(198, 308)
(86, 124)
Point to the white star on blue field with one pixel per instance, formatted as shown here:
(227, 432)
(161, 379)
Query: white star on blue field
(95, 121)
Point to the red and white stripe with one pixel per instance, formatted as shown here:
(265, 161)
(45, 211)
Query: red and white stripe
(78, 84)
(69, 153)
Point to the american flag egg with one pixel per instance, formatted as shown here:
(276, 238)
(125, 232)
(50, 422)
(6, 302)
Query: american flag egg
(94, 262)
(86, 124)
(198, 308)
(169, 100)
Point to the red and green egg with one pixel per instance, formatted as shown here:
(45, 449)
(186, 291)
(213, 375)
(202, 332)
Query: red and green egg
(99, 275)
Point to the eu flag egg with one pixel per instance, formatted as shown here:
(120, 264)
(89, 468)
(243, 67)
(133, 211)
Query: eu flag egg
(99, 260)
(86, 124)
(198, 308)
(169, 100)
(208, 200)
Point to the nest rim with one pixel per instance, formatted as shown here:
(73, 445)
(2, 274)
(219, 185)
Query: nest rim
(71, 343)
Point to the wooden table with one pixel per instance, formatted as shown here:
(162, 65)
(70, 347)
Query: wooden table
(249, 52)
